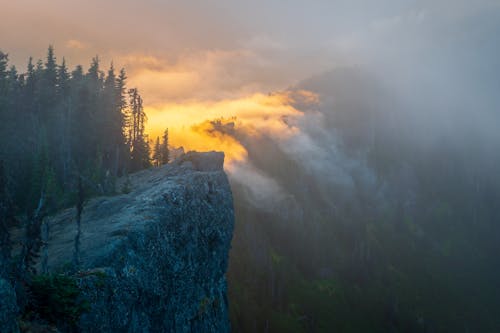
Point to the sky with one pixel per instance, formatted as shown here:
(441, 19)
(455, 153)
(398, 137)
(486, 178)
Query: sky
(196, 61)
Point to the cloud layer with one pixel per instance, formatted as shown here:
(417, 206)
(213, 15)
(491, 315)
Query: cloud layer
(242, 76)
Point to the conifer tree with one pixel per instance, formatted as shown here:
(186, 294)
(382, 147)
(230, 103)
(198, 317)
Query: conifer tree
(138, 142)
(64, 97)
(165, 153)
(4, 59)
(56, 124)
(48, 85)
(157, 158)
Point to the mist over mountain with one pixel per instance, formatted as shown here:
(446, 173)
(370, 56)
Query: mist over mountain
(391, 211)
(377, 212)
(361, 142)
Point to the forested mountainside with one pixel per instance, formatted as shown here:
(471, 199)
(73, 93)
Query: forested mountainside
(394, 229)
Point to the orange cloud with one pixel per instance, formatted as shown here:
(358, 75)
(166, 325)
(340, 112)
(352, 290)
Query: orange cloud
(207, 75)
(76, 44)
(186, 93)
(192, 124)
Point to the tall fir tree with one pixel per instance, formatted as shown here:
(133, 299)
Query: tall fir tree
(157, 153)
(138, 142)
(165, 152)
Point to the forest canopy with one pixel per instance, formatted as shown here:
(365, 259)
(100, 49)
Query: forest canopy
(59, 124)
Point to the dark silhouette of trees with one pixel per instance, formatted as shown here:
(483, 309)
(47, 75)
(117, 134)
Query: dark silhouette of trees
(164, 152)
(161, 153)
(6, 219)
(157, 153)
(137, 139)
(63, 133)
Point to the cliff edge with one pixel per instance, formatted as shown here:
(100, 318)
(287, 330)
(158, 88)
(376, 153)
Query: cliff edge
(153, 259)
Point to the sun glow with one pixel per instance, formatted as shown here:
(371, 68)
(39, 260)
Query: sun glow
(191, 124)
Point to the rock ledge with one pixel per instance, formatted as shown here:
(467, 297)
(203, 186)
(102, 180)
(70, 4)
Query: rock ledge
(154, 260)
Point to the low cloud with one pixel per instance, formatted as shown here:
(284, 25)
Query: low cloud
(76, 44)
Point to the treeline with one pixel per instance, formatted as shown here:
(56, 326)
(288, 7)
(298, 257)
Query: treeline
(58, 126)
(65, 136)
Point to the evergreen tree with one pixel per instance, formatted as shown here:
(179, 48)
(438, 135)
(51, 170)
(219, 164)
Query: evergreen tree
(111, 123)
(165, 153)
(4, 59)
(6, 219)
(48, 86)
(57, 126)
(61, 133)
(14, 87)
(63, 80)
(93, 72)
(138, 142)
(157, 158)
(29, 89)
(64, 97)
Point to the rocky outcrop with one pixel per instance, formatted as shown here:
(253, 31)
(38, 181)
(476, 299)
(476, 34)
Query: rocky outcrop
(201, 162)
(8, 308)
(154, 259)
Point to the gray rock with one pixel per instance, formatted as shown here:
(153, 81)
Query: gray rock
(154, 260)
(209, 161)
(8, 308)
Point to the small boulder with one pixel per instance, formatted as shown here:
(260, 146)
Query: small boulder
(207, 161)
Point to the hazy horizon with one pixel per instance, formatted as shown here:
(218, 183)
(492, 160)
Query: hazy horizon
(195, 61)
(361, 141)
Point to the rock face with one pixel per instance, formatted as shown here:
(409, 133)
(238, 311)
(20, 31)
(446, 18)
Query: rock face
(8, 308)
(154, 260)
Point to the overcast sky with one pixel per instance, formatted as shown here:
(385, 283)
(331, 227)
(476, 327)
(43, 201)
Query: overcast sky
(234, 45)
(201, 54)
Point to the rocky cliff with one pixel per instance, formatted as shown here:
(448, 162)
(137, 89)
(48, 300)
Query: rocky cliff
(153, 259)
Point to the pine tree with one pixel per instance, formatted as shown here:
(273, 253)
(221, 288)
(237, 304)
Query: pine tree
(93, 72)
(29, 90)
(63, 80)
(55, 124)
(157, 158)
(4, 60)
(64, 97)
(14, 88)
(138, 142)
(48, 86)
(111, 127)
(121, 103)
(165, 153)
(6, 218)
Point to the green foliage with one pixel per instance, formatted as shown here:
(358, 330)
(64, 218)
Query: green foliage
(56, 299)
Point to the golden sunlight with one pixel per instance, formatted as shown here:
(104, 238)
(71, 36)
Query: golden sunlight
(188, 122)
